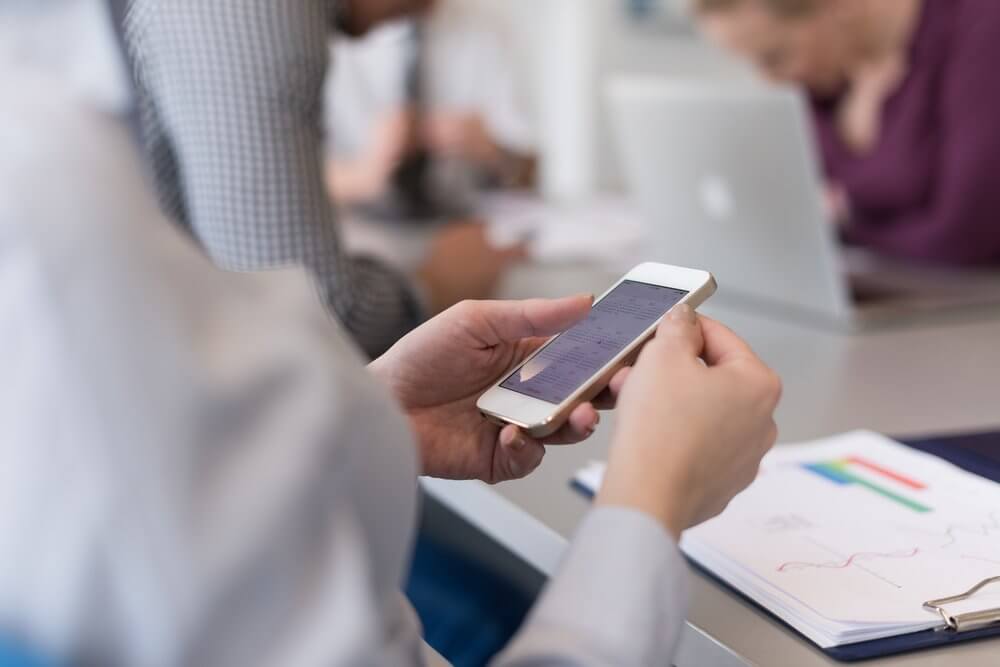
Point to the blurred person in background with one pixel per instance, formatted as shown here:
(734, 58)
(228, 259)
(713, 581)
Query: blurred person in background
(200, 470)
(230, 105)
(906, 110)
(440, 91)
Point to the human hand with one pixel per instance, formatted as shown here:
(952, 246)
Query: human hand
(460, 134)
(695, 417)
(462, 264)
(838, 205)
(367, 176)
(860, 112)
(392, 138)
(439, 370)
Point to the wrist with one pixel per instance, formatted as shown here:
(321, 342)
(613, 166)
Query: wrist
(651, 494)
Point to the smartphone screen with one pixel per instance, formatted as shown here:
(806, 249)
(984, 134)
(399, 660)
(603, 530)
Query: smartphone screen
(573, 357)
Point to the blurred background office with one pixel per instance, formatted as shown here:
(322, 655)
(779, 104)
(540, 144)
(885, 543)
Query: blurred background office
(908, 177)
(521, 82)
(439, 93)
(535, 71)
(905, 112)
(567, 52)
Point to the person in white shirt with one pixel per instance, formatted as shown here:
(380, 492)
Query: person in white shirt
(199, 469)
(469, 114)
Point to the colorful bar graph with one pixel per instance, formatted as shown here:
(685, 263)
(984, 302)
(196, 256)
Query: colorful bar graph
(839, 473)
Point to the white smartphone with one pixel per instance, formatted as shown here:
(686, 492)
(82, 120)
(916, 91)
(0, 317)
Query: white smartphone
(576, 365)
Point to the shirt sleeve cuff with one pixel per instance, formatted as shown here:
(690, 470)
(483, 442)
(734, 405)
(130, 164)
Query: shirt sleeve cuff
(620, 595)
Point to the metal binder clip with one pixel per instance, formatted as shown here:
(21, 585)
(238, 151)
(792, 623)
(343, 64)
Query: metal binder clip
(969, 620)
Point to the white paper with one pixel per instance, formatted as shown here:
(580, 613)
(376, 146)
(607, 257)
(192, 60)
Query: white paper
(846, 538)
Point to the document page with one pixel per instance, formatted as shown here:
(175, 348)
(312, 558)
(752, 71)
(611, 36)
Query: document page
(846, 538)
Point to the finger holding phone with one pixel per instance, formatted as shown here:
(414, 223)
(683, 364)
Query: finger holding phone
(694, 420)
(696, 410)
(439, 370)
(572, 368)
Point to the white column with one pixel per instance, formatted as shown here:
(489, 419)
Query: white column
(569, 63)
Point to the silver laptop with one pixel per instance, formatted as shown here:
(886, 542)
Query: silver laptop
(727, 178)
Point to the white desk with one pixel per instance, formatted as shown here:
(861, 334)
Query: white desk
(904, 381)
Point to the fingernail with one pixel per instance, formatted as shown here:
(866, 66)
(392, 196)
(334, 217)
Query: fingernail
(682, 313)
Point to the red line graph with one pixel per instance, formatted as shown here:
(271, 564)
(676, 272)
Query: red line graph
(986, 528)
(885, 472)
(844, 564)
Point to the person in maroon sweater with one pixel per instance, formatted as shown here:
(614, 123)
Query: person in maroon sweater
(906, 102)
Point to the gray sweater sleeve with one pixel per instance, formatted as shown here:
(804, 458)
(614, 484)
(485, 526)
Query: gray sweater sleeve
(230, 105)
(232, 487)
(619, 599)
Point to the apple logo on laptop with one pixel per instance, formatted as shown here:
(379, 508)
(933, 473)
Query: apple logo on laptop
(716, 197)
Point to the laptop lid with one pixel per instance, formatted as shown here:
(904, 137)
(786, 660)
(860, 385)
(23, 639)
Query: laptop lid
(726, 177)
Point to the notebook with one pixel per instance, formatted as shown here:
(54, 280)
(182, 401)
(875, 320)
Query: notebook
(845, 540)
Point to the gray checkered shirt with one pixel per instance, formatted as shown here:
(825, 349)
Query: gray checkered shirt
(230, 108)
